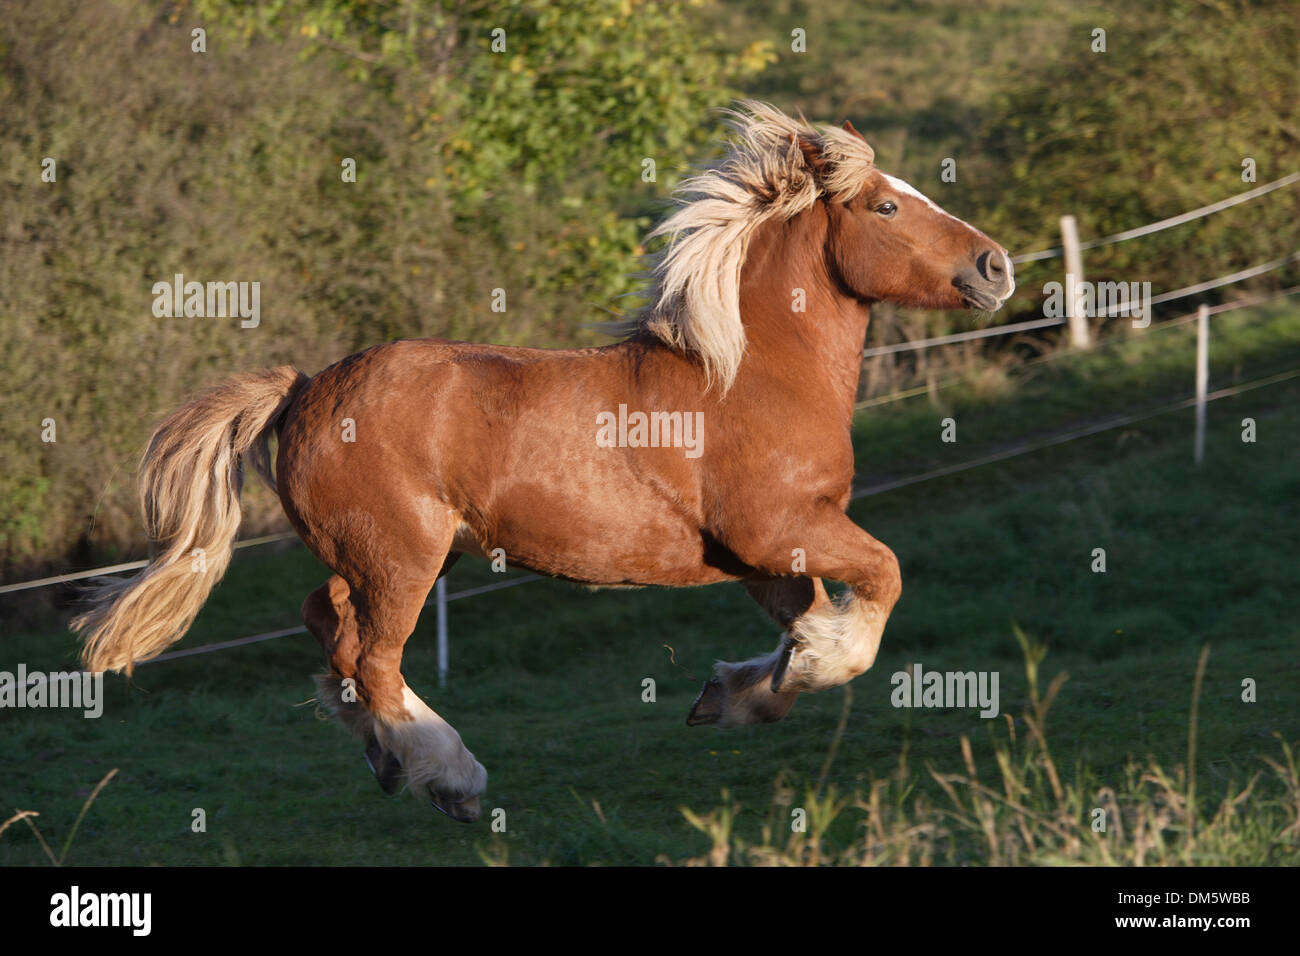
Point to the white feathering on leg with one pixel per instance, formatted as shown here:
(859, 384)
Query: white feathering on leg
(431, 752)
(836, 645)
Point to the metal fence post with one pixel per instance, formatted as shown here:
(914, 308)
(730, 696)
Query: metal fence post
(440, 595)
(1202, 375)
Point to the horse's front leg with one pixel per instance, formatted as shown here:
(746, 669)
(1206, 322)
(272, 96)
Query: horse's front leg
(742, 693)
(826, 643)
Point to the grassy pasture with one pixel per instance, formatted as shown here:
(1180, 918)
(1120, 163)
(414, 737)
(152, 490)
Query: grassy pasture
(546, 682)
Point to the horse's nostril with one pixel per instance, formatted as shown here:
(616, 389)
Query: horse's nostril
(983, 265)
(995, 265)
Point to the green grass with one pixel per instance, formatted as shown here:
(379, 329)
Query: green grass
(546, 678)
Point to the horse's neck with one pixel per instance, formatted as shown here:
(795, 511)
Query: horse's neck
(786, 267)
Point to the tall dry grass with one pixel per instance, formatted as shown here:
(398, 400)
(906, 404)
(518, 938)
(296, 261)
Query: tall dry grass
(1028, 810)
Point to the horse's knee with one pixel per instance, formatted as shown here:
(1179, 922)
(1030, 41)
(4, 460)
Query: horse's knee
(889, 579)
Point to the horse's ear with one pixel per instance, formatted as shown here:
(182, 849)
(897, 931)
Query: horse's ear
(848, 126)
(813, 155)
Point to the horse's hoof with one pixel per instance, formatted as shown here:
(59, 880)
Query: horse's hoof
(385, 767)
(707, 708)
(788, 646)
(464, 811)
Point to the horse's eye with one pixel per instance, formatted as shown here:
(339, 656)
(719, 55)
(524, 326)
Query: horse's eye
(886, 209)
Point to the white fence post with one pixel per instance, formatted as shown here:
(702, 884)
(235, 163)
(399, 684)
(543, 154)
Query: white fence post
(1202, 375)
(440, 594)
(1073, 277)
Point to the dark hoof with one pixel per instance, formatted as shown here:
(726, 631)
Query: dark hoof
(384, 766)
(788, 646)
(707, 708)
(466, 811)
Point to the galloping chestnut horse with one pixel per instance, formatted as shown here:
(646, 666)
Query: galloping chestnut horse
(583, 464)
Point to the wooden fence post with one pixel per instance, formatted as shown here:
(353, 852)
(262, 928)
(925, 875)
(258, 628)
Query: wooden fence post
(1073, 277)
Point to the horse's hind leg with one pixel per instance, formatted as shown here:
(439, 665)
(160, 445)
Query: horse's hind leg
(363, 628)
(432, 757)
(330, 616)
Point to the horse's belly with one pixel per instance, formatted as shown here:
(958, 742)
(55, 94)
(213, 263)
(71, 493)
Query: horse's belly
(606, 549)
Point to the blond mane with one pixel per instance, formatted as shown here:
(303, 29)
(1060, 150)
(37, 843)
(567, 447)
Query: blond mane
(695, 298)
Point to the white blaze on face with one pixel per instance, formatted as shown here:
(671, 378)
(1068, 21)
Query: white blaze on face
(909, 190)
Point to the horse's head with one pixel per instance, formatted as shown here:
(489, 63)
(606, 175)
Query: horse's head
(888, 242)
(883, 240)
